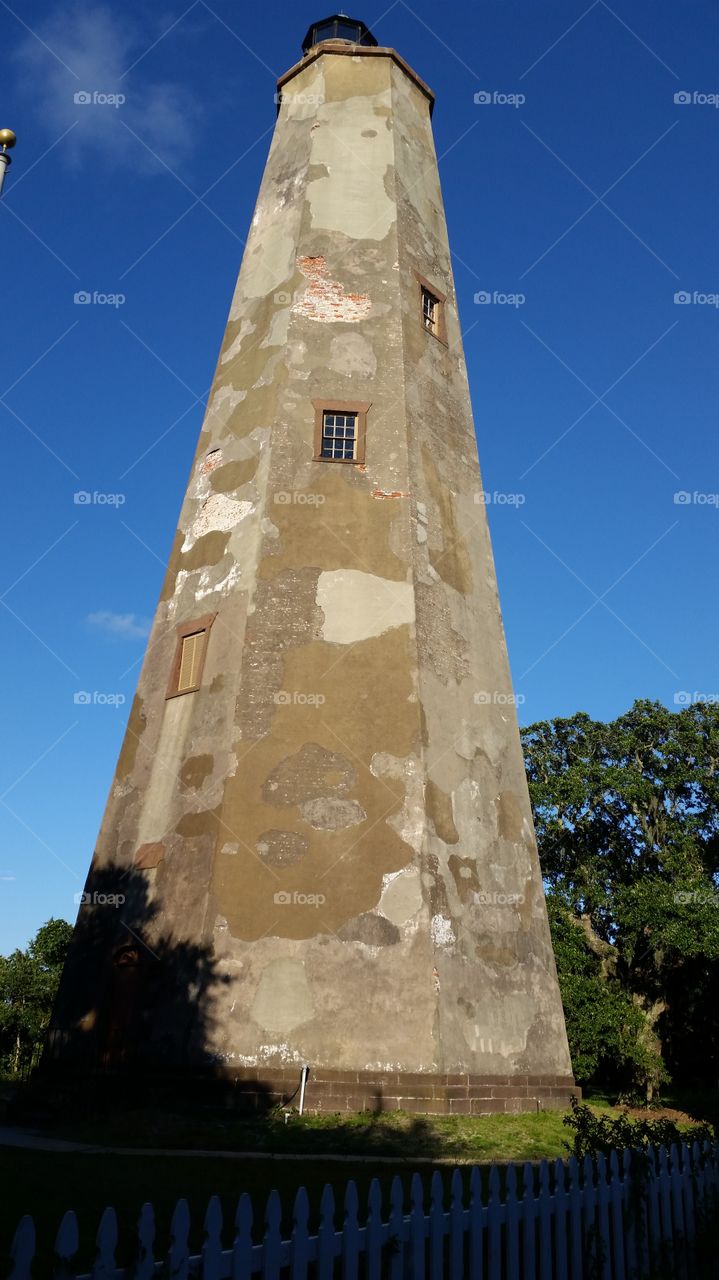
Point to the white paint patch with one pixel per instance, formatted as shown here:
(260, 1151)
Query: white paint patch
(442, 931)
(246, 326)
(359, 605)
(222, 406)
(218, 515)
(224, 586)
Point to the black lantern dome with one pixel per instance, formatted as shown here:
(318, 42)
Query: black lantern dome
(338, 27)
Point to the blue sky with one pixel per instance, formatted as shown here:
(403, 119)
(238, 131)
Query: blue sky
(595, 398)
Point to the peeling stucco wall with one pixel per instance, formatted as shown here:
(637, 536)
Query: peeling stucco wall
(332, 811)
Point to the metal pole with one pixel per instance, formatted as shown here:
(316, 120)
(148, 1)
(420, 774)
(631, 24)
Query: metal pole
(7, 140)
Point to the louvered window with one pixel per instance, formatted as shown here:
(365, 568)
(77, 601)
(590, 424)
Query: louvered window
(190, 654)
(191, 661)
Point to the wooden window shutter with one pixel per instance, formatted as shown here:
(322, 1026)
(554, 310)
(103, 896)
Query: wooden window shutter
(191, 660)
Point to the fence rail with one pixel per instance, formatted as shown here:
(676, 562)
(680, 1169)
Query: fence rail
(612, 1219)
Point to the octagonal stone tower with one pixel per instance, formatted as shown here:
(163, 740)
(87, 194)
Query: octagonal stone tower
(320, 825)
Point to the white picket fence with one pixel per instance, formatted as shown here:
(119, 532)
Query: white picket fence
(570, 1221)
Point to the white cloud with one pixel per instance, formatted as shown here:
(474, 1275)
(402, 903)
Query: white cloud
(99, 46)
(126, 625)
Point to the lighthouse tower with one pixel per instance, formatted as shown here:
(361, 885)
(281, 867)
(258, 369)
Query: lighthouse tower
(318, 846)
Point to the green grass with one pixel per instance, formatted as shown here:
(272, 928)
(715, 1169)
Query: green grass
(45, 1184)
(485, 1138)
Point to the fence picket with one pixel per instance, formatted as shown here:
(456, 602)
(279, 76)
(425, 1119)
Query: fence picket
(603, 1217)
(651, 1216)
(22, 1250)
(456, 1227)
(299, 1250)
(666, 1205)
(546, 1269)
(350, 1234)
(436, 1227)
(211, 1253)
(529, 1223)
(476, 1225)
(688, 1198)
(145, 1264)
(395, 1235)
(242, 1244)
(511, 1222)
(575, 1221)
(373, 1232)
(616, 1220)
(561, 1265)
(615, 1200)
(326, 1235)
(104, 1265)
(179, 1253)
(679, 1232)
(67, 1242)
(494, 1227)
(272, 1241)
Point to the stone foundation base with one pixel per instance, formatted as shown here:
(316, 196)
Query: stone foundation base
(443, 1094)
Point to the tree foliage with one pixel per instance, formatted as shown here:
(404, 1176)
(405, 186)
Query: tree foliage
(28, 983)
(627, 820)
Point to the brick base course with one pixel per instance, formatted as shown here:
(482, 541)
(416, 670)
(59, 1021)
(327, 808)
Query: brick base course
(419, 1092)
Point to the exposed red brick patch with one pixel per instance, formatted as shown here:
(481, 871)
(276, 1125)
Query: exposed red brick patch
(149, 855)
(384, 493)
(325, 299)
(211, 462)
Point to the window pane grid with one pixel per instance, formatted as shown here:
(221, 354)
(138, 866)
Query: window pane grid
(429, 309)
(339, 436)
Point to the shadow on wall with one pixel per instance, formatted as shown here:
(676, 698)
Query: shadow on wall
(135, 1004)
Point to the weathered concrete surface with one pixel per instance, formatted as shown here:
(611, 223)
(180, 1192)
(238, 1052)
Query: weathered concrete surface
(335, 813)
